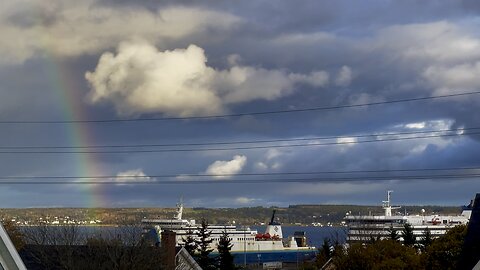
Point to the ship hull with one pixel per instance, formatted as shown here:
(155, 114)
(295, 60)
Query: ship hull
(252, 257)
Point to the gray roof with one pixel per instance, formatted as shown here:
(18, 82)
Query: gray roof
(185, 261)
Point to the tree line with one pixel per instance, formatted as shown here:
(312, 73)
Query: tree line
(57, 248)
(67, 247)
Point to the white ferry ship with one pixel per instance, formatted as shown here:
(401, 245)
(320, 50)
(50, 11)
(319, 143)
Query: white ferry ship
(363, 228)
(254, 246)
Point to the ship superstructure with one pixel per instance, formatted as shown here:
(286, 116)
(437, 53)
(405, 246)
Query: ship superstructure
(364, 228)
(243, 239)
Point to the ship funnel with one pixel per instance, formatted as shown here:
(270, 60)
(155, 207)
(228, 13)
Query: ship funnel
(272, 220)
(274, 228)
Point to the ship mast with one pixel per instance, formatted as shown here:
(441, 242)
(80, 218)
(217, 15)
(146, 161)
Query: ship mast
(179, 212)
(387, 206)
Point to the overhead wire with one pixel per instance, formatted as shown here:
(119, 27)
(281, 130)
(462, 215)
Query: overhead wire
(276, 174)
(237, 142)
(237, 114)
(234, 148)
(253, 181)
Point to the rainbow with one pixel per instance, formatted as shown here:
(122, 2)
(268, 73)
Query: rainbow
(79, 134)
(70, 97)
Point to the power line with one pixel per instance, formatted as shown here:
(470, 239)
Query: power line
(189, 175)
(249, 181)
(238, 114)
(240, 142)
(231, 148)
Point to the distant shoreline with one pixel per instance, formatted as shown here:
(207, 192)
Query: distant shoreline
(294, 215)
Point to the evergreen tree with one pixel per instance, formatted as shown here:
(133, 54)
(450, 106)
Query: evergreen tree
(445, 251)
(393, 234)
(325, 249)
(408, 236)
(383, 254)
(324, 253)
(426, 239)
(225, 258)
(374, 238)
(203, 242)
(190, 245)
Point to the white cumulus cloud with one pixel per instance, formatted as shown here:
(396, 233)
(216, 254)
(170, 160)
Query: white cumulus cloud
(429, 124)
(418, 125)
(141, 79)
(224, 167)
(344, 76)
(245, 200)
(271, 160)
(132, 175)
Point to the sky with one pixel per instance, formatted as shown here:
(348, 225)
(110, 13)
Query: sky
(124, 92)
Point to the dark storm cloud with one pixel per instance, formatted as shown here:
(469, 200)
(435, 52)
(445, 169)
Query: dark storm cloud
(26, 16)
(307, 16)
